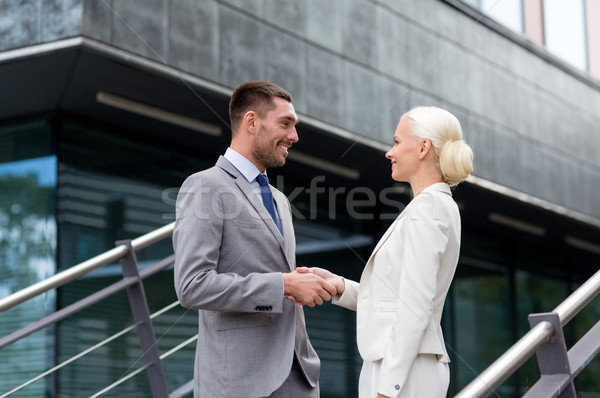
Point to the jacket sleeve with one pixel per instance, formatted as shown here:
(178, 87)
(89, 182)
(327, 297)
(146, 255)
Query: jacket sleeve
(201, 282)
(349, 298)
(419, 248)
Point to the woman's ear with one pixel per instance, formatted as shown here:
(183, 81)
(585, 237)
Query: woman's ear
(424, 148)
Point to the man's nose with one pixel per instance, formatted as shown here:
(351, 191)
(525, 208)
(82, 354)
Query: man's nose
(293, 136)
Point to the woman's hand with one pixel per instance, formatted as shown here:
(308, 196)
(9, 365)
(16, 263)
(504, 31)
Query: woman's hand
(307, 288)
(336, 280)
(382, 396)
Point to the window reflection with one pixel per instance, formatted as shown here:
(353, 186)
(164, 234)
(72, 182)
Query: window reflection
(27, 247)
(27, 227)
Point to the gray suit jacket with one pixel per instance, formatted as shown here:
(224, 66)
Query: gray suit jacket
(229, 256)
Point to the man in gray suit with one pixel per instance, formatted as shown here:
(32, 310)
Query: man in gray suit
(235, 260)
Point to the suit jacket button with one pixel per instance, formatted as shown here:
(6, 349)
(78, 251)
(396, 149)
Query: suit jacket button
(397, 386)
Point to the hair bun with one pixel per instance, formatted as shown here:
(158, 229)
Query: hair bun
(456, 161)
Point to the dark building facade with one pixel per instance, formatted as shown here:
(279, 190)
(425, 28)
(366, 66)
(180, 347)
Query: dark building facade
(108, 105)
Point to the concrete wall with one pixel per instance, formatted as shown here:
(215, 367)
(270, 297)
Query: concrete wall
(359, 64)
(27, 22)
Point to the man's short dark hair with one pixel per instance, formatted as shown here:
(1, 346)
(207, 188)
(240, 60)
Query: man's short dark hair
(256, 95)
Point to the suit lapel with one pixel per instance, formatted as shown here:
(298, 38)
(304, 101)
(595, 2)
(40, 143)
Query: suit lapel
(260, 208)
(285, 216)
(385, 237)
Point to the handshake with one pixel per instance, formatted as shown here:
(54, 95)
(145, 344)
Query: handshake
(310, 286)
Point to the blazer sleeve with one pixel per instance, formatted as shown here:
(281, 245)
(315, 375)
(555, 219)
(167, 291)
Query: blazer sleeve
(349, 298)
(197, 243)
(419, 248)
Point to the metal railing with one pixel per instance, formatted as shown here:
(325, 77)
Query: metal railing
(85, 267)
(558, 367)
(132, 279)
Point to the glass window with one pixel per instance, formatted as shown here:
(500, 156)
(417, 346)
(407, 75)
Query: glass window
(564, 30)
(480, 307)
(478, 312)
(27, 247)
(507, 12)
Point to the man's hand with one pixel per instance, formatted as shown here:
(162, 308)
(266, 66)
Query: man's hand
(335, 280)
(307, 288)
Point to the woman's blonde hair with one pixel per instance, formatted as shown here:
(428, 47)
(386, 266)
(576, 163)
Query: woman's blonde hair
(452, 154)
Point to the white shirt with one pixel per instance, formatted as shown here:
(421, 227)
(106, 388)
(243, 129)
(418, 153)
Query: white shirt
(249, 171)
(246, 167)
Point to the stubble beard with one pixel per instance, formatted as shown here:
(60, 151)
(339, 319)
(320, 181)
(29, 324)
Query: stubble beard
(268, 159)
(267, 156)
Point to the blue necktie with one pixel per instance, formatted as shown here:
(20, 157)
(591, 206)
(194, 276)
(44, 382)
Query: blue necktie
(267, 198)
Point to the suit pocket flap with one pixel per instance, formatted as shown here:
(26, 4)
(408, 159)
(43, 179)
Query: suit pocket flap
(247, 224)
(241, 321)
(386, 304)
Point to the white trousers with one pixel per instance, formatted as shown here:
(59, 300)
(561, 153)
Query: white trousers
(427, 378)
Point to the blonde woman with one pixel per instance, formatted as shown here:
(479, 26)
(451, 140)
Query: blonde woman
(401, 293)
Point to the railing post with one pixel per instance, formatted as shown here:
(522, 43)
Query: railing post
(141, 313)
(553, 360)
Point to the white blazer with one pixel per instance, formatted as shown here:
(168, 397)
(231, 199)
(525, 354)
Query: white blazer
(401, 293)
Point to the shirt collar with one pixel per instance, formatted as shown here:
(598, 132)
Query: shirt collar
(244, 166)
(439, 186)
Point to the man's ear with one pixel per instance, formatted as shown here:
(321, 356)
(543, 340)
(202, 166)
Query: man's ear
(425, 147)
(250, 121)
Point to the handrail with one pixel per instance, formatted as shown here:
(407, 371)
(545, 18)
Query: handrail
(495, 374)
(578, 299)
(85, 267)
(508, 363)
(93, 298)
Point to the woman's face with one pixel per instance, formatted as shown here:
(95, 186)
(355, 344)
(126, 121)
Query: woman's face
(405, 152)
